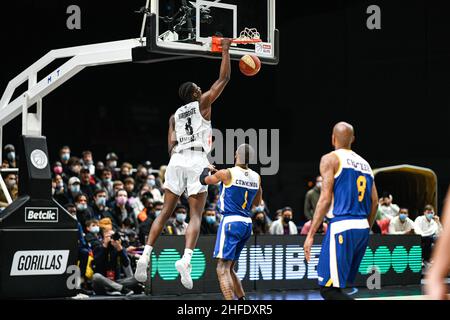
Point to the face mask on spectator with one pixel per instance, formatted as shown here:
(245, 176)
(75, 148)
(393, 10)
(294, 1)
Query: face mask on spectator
(100, 201)
(121, 200)
(11, 156)
(210, 219)
(113, 164)
(81, 206)
(181, 217)
(10, 182)
(430, 216)
(157, 213)
(65, 156)
(95, 229)
(402, 217)
(57, 170)
(319, 185)
(60, 185)
(151, 182)
(286, 219)
(259, 220)
(75, 188)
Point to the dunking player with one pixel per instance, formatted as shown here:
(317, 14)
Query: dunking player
(240, 191)
(348, 189)
(189, 141)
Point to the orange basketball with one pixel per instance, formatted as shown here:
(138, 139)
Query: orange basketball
(249, 65)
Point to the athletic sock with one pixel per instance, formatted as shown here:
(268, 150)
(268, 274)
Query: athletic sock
(148, 251)
(187, 255)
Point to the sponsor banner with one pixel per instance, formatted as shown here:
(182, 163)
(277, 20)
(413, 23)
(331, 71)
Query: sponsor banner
(269, 262)
(41, 214)
(39, 262)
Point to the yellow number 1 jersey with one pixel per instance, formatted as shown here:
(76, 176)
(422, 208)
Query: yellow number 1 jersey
(352, 185)
(237, 197)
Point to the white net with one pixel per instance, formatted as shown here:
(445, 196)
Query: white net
(249, 34)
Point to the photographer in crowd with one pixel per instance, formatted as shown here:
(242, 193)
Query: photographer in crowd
(109, 260)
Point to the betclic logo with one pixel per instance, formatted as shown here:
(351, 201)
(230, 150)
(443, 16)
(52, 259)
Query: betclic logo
(41, 214)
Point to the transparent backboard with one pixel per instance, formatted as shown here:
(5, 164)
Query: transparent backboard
(188, 26)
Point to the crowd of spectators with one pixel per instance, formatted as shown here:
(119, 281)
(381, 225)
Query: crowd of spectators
(115, 207)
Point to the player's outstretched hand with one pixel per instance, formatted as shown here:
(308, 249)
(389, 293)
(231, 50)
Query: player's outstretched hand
(212, 169)
(226, 43)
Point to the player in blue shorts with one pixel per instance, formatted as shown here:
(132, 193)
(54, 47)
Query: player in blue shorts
(350, 198)
(240, 190)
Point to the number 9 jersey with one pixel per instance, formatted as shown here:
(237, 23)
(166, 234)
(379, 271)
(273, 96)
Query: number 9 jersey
(352, 194)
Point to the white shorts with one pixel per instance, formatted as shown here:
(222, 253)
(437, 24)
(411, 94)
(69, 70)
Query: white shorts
(183, 172)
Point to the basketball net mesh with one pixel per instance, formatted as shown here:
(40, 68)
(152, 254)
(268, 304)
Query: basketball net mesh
(249, 34)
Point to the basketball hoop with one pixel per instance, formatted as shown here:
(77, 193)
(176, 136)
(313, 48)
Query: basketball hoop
(247, 36)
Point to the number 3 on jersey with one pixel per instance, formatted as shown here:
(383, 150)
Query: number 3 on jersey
(361, 184)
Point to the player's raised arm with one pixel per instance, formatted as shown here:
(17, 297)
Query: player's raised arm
(328, 167)
(225, 73)
(374, 209)
(219, 176)
(171, 136)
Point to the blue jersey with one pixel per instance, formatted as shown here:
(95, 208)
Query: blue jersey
(237, 197)
(352, 194)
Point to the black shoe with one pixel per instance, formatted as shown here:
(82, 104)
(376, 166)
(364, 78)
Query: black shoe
(126, 292)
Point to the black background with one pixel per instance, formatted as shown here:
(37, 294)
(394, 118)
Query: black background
(391, 84)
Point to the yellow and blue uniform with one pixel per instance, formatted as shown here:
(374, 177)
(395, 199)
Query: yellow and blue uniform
(235, 204)
(347, 236)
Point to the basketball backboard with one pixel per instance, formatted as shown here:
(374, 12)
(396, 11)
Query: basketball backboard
(183, 27)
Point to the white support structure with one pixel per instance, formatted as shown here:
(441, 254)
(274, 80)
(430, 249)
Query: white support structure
(5, 190)
(80, 57)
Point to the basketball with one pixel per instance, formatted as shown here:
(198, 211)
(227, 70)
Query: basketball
(249, 65)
